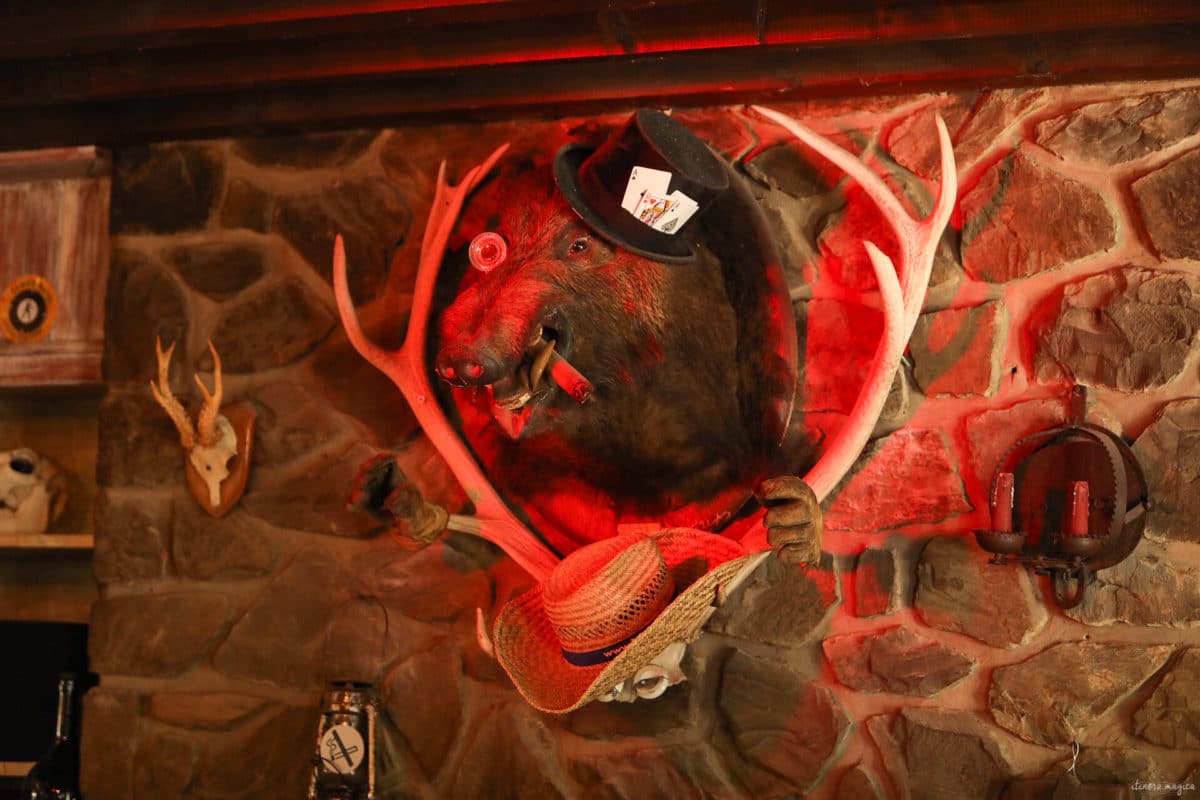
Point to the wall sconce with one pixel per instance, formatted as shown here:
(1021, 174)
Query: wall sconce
(1067, 501)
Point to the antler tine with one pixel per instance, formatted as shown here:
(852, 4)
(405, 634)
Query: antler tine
(406, 367)
(901, 297)
(206, 421)
(166, 399)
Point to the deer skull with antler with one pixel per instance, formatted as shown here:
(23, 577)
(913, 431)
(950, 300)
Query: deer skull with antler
(218, 446)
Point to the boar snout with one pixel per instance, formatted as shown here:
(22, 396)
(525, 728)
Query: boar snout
(466, 366)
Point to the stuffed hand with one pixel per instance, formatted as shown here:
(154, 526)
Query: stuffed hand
(383, 490)
(794, 521)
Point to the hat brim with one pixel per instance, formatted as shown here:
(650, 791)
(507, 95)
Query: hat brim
(649, 243)
(531, 654)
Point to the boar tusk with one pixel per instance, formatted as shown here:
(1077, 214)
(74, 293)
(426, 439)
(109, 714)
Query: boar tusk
(538, 367)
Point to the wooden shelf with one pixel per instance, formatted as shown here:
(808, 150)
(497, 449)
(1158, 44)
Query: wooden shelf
(46, 541)
(15, 769)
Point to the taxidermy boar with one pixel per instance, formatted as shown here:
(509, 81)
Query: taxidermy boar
(688, 353)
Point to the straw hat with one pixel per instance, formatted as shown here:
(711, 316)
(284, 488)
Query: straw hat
(607, 610)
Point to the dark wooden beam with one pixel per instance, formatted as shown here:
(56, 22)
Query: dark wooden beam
(164, 70)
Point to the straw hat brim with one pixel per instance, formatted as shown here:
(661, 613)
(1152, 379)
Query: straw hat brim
(531, 654)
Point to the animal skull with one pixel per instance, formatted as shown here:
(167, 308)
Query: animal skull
(32, 492)
(212, 444)
(652, 680)
(212, 461)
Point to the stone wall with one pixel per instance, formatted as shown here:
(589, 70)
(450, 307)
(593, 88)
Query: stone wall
(901, 666)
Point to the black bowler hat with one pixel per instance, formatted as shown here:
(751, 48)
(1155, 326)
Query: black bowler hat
(643, 186)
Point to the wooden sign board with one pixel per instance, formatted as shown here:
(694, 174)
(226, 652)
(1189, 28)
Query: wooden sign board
(53, 265)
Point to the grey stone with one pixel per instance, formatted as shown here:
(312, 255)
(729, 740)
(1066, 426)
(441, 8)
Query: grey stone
(292, 423)
(857, 784)
(913, 143)
(1170, 717)
(270, 328)
(995, 118)
(509, 751)
(218, 270)
(781, 603)
(138, 445)
(1127, 329)
(155, 635)
(110, 721)
(1114, 765)
(435, 584)
(143, 303)
(782, 167)
(310, 151)
(164, 188)
(370, 214)
(365, 636)
(247, 206)
(1157, 585)
(165, 763)
(896, 661)
(837, 340)
(1169, 200)
(919, 459)
(268, 755)
(783, 731)
(844, 260)
(348, 382)
(1169, 452)
(874, 582)
(1115, 131)
(232, 547)
(206, 711)
(131, 539)
(1022, 219)
(664, 772)
(991, 434)
(958, 591)
(606, 721)
(957, 352)
(944, 755)
(323, 483)
(291, 615)
(1054, 697)
(431, 725)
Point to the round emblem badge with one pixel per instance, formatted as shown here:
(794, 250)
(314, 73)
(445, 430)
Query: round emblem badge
(27, 309)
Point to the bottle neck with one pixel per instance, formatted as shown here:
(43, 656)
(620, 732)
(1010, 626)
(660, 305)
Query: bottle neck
(66, 698)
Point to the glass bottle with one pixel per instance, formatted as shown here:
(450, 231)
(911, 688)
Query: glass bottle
(55, 776)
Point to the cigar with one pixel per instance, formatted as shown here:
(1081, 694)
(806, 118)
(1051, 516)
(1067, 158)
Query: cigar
(569, 379)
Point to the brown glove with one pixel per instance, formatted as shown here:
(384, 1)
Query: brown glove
(383, 490)
(795, 523)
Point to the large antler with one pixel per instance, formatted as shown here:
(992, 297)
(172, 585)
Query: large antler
(901, 298)
(162, 393)
(493, 519)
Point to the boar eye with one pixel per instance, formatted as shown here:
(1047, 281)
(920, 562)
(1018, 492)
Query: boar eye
(579, 245)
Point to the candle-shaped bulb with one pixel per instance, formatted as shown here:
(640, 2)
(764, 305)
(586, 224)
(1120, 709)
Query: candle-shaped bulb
(1077, 523)
(1002, 502)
